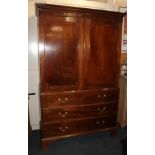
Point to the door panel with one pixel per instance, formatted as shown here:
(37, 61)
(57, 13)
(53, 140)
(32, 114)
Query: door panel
(101, 57)
(62, 51)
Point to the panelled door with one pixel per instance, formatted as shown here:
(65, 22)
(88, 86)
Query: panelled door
(101, 64)
(61, 47)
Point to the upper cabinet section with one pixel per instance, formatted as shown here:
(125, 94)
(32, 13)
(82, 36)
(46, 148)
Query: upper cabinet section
(78, 48)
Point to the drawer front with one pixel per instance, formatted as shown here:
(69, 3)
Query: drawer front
(73, 127)
(100, 97)
(62, 114)
(78, 98)
(100, 109)
(50, 101)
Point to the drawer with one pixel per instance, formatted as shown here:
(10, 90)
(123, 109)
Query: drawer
(63, 114)
(100, 96)
(67, 99)
(100, 109)
(80, 125)
(78, 98)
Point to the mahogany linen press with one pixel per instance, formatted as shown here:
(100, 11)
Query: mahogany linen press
(79, 53)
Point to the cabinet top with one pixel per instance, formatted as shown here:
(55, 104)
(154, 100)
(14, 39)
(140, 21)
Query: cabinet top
(50, 7)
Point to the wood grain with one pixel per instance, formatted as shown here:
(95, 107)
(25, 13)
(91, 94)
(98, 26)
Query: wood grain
(79, 51)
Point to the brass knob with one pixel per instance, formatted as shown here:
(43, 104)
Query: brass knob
(103, 122)
(99, 96)
(98, 109)
(66, 98)
(97, 122)
(105, 95)
(60, 128)
(66, 127)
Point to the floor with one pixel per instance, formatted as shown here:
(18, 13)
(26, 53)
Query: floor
(100, 143)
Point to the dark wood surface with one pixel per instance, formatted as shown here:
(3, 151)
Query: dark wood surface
(102, 53)
(78, 98)
(73, 112)
(62, 39)
(71, 127)
(79, 52)
(58, 10)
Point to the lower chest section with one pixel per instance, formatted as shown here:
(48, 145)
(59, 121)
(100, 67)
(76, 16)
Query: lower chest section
(78, 112)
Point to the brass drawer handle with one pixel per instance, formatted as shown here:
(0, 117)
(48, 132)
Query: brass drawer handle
(63, 129)
(101, 109)
(100, 122)
(99, 96)
(102, 96)
(63, 100)
(97, 122)
(105, 95)
(63, 115)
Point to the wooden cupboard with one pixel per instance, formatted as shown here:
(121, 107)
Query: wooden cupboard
(79, 53)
